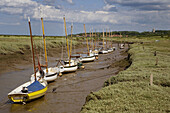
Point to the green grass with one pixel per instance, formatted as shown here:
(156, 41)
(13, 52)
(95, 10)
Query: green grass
(12, 44)
(130, 90)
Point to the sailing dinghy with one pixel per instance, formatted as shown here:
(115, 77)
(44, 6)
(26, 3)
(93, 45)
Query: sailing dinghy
(89, 57)
(95, 50)
(32, 89)
(122, 46)
(103, 51)
(51, 73)
(69, 65)
(76, 57)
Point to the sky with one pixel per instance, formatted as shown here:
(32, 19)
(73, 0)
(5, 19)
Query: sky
(116, 15)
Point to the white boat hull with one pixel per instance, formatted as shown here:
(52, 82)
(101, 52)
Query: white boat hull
(122, 46)
(103, 52)
(88, 59)
(109, 50)
(50, 76)
(70, 69)
(114, 48)
(95, 52)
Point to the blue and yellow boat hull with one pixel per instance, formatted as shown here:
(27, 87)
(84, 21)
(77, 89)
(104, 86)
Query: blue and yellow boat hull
(35, 90)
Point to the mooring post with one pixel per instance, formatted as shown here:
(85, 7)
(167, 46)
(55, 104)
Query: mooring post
(151, 79)
(155, 53)
(156, 61)
(109, 81)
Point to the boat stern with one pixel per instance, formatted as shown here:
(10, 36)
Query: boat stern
(18, 98)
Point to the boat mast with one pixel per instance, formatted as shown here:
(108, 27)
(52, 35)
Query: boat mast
(45, 50)
(32, 48)
(109, 37)
(86, 39)
(71, 40)
(92, 39)
(103, 39)
(98, 39)
(66, 39)
(106, 38)
(95, 40)
(90, 33)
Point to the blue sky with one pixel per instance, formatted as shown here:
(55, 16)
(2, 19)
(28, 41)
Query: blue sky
(117, 15)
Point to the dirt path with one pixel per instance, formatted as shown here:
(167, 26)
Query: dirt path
(68, 93)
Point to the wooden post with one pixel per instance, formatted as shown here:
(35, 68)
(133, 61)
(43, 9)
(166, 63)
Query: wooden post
(151, 79)
(109, 81)
(156, 61)
(155, 53)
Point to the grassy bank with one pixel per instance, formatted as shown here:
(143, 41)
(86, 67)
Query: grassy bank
(13, 44)
(130, 91)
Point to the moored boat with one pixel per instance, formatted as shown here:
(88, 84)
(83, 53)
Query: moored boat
(28, 91)
(103, 52)
(89, 57)
(32, 89)
(50, 74)
(69, 65)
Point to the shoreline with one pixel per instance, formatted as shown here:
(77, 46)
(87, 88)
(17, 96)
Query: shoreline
(131, 90)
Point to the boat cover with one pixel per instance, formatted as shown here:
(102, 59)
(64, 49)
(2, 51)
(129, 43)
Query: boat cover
(35, 86)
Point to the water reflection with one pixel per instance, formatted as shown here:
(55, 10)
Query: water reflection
(31, 106)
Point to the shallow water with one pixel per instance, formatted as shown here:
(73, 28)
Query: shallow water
(67, 93)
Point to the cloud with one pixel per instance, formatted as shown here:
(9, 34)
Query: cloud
(3, 23)
(110, 8)
(35, 10)
(12, 10)
(141, 12)
(69, 1)
(147, 5)
(115, 12)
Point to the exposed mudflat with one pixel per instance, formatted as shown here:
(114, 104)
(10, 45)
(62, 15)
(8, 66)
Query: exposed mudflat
(67, 94)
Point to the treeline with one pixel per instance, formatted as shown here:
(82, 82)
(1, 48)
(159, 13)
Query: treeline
(132, 33)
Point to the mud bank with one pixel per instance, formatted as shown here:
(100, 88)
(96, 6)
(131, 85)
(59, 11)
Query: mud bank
(19, 61)
(68, 93)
